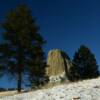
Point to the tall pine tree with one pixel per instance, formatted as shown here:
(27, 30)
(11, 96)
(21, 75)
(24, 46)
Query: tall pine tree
(85, 64)
(21, 52)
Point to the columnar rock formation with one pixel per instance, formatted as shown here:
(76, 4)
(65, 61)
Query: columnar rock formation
(58, 65)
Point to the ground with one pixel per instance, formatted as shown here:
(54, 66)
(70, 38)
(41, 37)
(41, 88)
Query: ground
(84, 90)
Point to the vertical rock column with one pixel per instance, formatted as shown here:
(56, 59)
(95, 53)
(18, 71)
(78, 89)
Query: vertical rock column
(56, 66)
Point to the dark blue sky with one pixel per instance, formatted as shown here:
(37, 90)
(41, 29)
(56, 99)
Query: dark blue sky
(65, 24)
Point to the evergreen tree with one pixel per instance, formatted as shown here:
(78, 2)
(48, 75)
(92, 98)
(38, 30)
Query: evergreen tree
(85, 64)
(21, 52)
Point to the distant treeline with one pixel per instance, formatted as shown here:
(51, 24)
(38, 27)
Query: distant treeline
(7, 89)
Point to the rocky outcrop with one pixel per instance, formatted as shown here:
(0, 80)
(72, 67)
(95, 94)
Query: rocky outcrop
(58, 66)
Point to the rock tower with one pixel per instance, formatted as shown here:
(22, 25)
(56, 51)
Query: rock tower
(58, 65)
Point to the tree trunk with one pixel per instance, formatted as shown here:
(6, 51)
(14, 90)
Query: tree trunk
(19, 82)
(20, 68)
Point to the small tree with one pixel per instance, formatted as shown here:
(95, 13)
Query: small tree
(85, 64)
(21, 52)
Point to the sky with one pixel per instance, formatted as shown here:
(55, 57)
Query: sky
(64, 24)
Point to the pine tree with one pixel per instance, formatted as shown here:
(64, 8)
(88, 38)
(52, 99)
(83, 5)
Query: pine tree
(21, 52)
(85, 64)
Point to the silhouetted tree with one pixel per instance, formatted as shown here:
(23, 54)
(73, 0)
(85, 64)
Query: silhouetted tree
(85, 63)
(21, 52)
(36, 73)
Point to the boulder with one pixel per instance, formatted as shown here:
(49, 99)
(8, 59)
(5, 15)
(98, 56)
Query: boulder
(58, 65)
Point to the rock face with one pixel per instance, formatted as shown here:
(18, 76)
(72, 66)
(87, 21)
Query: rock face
(58, 64)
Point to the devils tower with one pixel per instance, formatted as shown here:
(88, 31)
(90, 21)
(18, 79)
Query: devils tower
(58, 65)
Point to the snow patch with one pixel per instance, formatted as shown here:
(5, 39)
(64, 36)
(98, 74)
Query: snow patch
(57, 78)
(84, 90)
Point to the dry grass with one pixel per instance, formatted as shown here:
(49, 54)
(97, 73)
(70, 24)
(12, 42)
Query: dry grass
(8, 93)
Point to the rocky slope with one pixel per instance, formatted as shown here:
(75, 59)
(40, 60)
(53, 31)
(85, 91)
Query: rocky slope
(84, 90)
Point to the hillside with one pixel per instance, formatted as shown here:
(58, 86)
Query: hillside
(84, 90)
